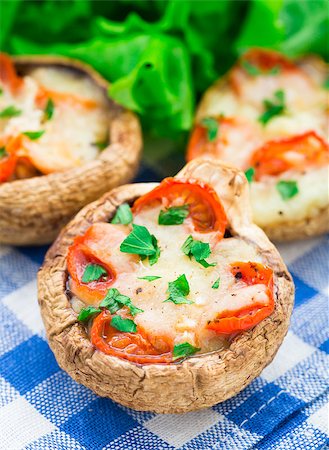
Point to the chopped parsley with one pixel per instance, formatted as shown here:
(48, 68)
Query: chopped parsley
(287, 189)
(93, 272)
(250, 173)
(114, 301)
(216, 284)
(34, 135)
(1, 91)
(3, 152)
(141, 242)
(10, 111)
(212, 126)
(125, 325)
(184, 349)
(149, 278)
(199, 250)
(255, 71)
(101, 145)
(174, 215)
(273, 107)
(123, 215)
(178, 290)
(49, 109)
(326, 83)
(87, 312)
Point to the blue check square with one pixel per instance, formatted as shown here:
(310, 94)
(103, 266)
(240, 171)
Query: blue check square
(99, 423)
(34, 359)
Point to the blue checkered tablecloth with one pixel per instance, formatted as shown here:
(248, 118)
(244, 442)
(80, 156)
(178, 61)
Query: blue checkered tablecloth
(42, 408)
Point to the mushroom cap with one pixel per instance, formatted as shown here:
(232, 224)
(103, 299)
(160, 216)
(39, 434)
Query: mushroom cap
(33, 210)
(288, 230)
(199, 381)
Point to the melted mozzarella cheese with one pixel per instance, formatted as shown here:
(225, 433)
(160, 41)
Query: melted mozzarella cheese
(269, 207)
(71, 134)
(186, 322)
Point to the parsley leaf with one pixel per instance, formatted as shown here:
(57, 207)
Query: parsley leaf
(10, 111)
(199, 250)
(212, 126)
(3, 152)
(251, 69)
(101, 145)
(34, 135)
(250, 174)
(87, 312)
(1, 91)
(255, 71)
(216, 284)
(174, 215)
(49, 109)
(287, 189)
(141, 242)
(93, 272)
(273, 107)
(126, 325)
(178, 290)
(326, 83)
(114, 301)
(149, 278)
(123, 215)
(184, 349)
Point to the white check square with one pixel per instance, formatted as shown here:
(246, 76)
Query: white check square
(21, 424)
(176, 430)
(293, 351)
(24, 304)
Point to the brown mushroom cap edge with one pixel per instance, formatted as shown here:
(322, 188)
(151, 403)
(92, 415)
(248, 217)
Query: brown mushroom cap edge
(33, 210)
(199, 381)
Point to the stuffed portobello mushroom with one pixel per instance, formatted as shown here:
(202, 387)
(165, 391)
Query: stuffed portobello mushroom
(166, 297)
(269, 117)
(63, 143)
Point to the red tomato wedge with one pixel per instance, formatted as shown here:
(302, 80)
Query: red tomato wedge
(8, 162)
(233, 133)
(260, 62)
(134, 347)
(8, 74)
(205, 208)
(297, 152)
(63, 97)
(7, 166)
(229, 322)
(265, 60)
(84, 251)
(199, 143)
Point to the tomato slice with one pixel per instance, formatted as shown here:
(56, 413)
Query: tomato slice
(252, 273)
(297, 152)
(83, 252)
(7, 166)
(8, 162)
(233, 133)
(199, 143)
(205, 208)
(134, 347)
(265, 60)
(8, 74)
(228, 322)
(44, 95)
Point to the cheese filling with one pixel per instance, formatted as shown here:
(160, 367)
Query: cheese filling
(183, 322)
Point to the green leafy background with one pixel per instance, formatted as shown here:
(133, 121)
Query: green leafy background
(161, 55)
